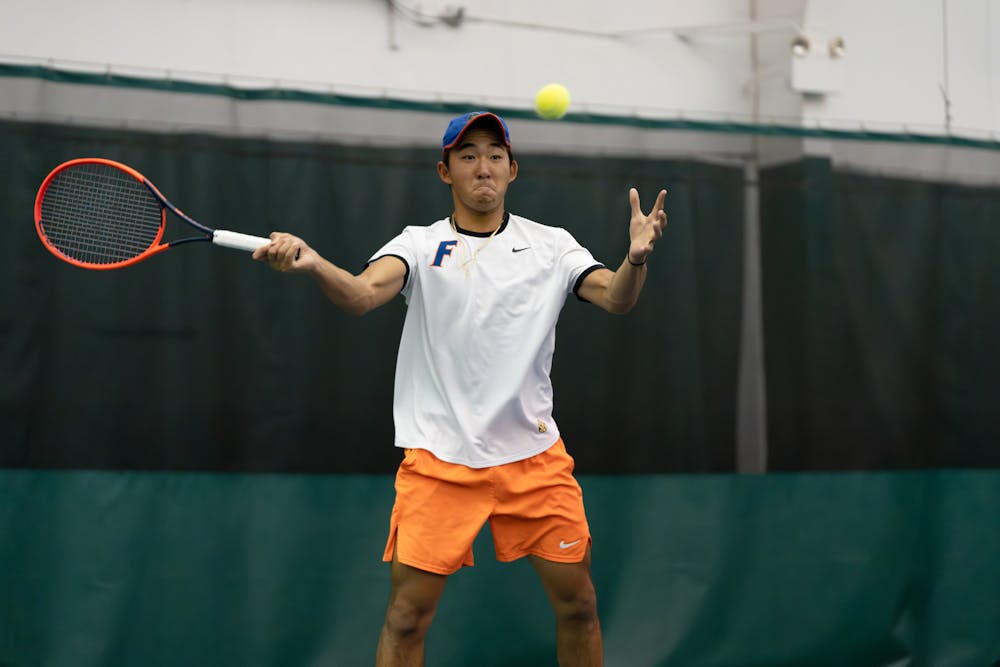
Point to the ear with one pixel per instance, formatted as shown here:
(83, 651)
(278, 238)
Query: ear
(443, 172)
(513, 169)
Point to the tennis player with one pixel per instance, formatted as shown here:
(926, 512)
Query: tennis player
(473, 398)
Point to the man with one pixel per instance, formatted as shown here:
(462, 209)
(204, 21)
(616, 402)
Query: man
(473, 399)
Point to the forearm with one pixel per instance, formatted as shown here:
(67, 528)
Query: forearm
(348, 292)
(625, 286)
(378, 283)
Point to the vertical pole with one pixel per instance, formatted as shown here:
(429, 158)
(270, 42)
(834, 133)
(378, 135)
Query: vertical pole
(751, 404)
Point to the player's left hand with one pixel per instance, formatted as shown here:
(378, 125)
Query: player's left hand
(645, 230)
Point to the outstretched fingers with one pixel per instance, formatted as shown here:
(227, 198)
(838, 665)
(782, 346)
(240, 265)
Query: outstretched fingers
(645, 229)
(657, 211)
(656, 214)
(633, 198)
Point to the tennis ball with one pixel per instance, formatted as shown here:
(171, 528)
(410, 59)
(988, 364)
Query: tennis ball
(552, 101)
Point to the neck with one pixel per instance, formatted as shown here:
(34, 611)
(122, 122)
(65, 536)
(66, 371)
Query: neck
(475, 221)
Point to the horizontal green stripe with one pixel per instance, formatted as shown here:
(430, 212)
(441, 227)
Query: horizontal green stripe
(339, 99)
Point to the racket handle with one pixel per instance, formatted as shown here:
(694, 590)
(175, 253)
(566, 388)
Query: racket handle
(237, 240)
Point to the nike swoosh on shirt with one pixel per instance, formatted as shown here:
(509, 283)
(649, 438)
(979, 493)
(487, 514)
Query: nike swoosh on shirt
(519, 249)
(567, 545)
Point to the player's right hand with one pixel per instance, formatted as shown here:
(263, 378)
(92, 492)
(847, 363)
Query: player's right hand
(286, 253)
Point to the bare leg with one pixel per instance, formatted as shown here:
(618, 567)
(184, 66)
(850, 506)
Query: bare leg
(571, 592)
(412, 602)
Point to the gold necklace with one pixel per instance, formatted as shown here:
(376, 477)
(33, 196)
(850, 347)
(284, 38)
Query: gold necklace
(466, 263)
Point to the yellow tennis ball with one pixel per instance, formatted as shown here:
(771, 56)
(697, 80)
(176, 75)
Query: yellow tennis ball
(552, 101)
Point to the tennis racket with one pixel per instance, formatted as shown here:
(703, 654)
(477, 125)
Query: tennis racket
(101, 214)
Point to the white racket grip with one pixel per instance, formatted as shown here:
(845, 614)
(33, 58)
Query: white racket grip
(238, 241)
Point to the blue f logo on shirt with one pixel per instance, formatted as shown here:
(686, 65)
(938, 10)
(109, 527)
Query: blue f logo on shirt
(444, 249)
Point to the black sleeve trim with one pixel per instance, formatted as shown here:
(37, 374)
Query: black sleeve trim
(579, 281)
(406, 276)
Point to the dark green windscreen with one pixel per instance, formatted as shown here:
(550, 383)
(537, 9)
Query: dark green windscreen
(881, 321)
(201, 359)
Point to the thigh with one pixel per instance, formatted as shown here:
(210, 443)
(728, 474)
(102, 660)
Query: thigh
(414, 591)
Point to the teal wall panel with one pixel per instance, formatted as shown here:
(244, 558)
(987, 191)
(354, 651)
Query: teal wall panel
(130, 568)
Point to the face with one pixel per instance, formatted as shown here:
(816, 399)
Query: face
(479, 169)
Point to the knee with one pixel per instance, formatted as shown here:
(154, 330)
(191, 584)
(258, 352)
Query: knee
(578, 609)
(405, 619)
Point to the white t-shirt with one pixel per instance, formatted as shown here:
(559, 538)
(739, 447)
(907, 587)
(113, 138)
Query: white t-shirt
(472, 376)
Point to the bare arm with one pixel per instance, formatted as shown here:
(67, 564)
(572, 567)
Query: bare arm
(356, 294)
(614, 291)
(617, 292)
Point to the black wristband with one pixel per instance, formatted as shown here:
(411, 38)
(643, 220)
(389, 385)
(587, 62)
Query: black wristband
(629, 258)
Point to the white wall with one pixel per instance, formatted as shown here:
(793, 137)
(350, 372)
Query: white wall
(895, 69)
(892, 74)
(355, 43)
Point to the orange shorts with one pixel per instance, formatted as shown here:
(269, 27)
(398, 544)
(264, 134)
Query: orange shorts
(534, 506)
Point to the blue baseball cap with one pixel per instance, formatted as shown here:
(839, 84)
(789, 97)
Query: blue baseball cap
(459, 124)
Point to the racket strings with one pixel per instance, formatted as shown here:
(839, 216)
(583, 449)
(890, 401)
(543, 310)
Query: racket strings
(98, 214)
